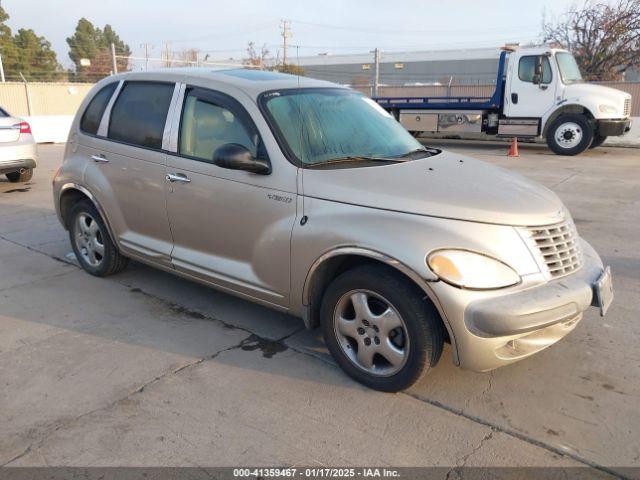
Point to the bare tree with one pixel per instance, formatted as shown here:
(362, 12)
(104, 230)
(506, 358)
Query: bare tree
(186, 58)
(604, 37)
(255, 58)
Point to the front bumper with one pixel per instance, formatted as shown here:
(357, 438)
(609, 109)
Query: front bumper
(613, 128)
(492, 330)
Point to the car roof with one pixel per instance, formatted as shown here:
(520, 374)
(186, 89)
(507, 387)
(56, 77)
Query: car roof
(251, 81)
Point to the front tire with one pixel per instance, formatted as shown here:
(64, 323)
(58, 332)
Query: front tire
(91, 242)
(20, 177)
(569, 134)
(598, 140)
(379, 328)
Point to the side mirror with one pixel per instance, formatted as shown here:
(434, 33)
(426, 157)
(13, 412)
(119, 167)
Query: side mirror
(538, 74)
(237, 157)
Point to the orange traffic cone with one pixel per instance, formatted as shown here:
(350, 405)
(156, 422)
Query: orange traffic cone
(513, 150)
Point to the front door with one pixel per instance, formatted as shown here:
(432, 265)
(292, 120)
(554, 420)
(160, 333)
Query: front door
(231, 228)
(525, 98)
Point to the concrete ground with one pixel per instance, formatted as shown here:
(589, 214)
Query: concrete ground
(144, 368)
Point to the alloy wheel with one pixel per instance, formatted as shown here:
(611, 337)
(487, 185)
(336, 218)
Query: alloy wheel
(88, 239)
(371, 332)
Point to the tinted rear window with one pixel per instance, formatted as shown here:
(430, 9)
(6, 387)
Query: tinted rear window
(93, 114)
(139, 114)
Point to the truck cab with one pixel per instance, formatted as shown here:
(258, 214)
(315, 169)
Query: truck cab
(539, 93)
(546, 86)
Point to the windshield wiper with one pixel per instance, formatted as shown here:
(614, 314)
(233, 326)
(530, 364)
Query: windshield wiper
(416, 150)
(354, 158)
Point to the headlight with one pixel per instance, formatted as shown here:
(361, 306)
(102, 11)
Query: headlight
(471, 270)
(607, 108)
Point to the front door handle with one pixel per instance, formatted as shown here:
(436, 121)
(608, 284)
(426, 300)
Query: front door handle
(177, 177)
(99, 158)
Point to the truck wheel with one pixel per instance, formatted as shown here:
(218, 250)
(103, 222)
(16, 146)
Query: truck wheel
(598, 140)
(91, 242)
(379, 329)
(22, 176)
(569, 134)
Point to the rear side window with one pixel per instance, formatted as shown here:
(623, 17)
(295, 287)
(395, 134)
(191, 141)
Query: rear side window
(93, 114)
(140, 112)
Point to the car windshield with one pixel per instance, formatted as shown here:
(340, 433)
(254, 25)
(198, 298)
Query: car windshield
(323, 126)
(569, 69)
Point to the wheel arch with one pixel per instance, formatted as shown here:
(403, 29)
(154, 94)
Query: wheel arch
(72, 193)
(334, 262)
(565, 109)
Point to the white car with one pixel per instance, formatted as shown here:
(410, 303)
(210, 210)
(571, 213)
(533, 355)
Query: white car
(18, 155)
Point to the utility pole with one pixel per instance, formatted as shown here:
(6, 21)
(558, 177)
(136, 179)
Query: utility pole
(376, 71)
(286, 35)
(146, 47)
(167, 55)
(114, 63)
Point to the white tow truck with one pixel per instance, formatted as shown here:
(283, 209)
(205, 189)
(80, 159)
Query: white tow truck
(539, 93)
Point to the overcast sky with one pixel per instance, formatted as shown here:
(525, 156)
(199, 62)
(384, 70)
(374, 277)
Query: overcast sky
(223, 28)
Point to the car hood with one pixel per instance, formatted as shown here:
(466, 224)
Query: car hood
(445, 185)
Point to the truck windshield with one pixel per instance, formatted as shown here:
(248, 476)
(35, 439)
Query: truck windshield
(322, 126)
(568, 66)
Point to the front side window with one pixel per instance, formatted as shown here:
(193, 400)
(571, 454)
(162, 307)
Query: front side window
(527, 68)
(327, 125)
(93, 114)
(140, 112)
(207, 125)
(569, 70)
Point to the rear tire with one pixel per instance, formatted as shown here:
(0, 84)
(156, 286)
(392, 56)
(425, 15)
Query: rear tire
(569, 134)
(17, 177)
(598, 140)
(92, 243)
(379, 328)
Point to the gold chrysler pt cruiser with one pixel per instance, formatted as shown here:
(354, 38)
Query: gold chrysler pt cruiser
(307, 197)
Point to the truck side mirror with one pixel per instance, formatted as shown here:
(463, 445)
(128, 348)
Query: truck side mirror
(538, 74)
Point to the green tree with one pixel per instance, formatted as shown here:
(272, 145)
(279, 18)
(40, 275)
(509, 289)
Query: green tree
(27, 53)
(94, 44)
(36, 60)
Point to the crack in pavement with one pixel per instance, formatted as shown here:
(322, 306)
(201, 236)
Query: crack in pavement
(19, 456)
(250, 344)
(518, 435)
(462, 461)
(33, 249)
(39, 279)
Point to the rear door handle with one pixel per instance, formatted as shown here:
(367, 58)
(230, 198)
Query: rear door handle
(99, 158)
(177, 177)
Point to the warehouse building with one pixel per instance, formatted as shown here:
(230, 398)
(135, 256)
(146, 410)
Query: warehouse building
(440, 67)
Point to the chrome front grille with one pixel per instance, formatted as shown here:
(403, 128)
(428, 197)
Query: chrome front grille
(556, 247)
(627, 107)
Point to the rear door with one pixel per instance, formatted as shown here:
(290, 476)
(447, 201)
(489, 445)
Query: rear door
(231, 228)
(127, 168)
